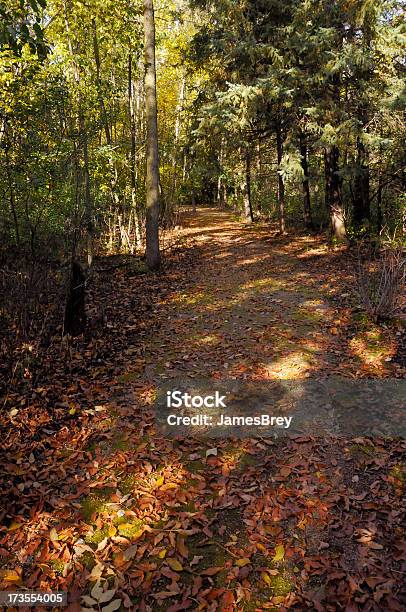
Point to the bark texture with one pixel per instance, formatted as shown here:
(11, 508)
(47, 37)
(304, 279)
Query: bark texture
(153, 256)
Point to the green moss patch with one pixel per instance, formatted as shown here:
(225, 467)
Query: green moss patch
(397, 476)
(97, 536)
(130, 529)
(58, 565)
(280, 586)
(87, 560)
(95, 503)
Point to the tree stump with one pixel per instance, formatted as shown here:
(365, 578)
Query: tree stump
(75, 310)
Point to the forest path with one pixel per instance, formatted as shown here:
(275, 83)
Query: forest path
(257, 305)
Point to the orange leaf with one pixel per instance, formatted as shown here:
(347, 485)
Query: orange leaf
(211, 571)
(181, 547)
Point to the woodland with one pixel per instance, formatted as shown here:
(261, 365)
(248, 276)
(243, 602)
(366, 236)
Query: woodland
(213, 189)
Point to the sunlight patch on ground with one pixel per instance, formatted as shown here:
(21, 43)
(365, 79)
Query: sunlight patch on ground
(371, 347)
(263, 283)
(210, 340)
(289, 367)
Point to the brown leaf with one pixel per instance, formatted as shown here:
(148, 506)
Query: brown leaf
(211, 571)
(181, 547)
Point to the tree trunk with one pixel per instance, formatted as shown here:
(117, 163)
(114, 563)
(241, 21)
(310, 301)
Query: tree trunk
(75, 310)
(178, 125)
(333, 192)
(307, 213)
(379, 214)
(83, 142)
(133, 160)
(259, 176)
(152, 180)
(247, 188)
(11, 189)
(103, 112)
(88, 197)
(362, 210)
(281, 184)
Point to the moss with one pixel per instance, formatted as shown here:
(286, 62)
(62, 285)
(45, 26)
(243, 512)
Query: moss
(97, 536)
(58, 565)
(189, 507)
(128, 483)
(120, 443)
(247, 460)
(362, 320)
(95, 503)
(280, 586)
(139, 267)
(398, 476)
(195, 466)
(130, 528)
(307, 316)
(362, 449)
(129, 377)
(87, 560)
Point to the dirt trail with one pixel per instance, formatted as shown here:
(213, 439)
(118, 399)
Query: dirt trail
(256, 305)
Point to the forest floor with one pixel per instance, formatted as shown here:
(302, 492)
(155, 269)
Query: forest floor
(97, 502)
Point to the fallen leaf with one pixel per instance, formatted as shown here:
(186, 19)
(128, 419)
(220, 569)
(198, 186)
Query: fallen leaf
(211, 571)
(97, 591)
(174, 565)
(279, 553)
(53, 535)
(130, 552)
(114, 605)
(242, 562)
(107, 595)
(181, 547)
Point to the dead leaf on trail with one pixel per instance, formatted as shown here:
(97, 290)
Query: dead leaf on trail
(96, 572)
(107, 595)
(174, 565)
(375, 546)
(196, 559)
(242, 562)
(53, 535)
(114, 605)
(181, 547)
(14, 526)
(9, 576)
(102, 545)
(168, 486)
(130, 552)
(279, 553)
(211, 571)
(97, 591)
(165, 594)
